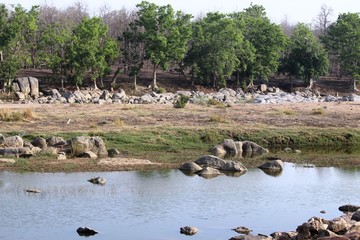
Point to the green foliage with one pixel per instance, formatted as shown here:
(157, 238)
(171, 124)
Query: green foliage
(267, 43)
(214, 50)
(181, 101)
(165, 34)
(343, 41)
(305, 57)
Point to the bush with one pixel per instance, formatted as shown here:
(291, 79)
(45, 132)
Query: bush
(181, 101)
(161, 90)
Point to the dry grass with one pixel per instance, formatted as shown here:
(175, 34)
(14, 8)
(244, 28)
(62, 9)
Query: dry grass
(318, 111)
(217, 119)
(9, 115)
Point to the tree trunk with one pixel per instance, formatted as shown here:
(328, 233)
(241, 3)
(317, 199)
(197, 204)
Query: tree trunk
(237, 79)
(95, 86)
(154, 86)
(114, 78)
(62, 83)
(1, 56)
(135, 78)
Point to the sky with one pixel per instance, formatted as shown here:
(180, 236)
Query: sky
(277, 10)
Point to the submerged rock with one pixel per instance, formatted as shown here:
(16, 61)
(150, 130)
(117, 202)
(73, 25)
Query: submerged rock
(187, 230)
(97, 180)
(85, 231)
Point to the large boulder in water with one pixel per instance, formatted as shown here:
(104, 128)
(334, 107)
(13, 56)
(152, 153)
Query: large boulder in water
(81, 144)
(210, 160)
(252, 149)
(190, 166)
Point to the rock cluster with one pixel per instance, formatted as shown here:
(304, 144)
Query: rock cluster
(27, 90)
(82, 146)
(231, 148)
(210, 166)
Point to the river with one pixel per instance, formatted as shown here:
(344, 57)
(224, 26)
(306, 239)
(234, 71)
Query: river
(153, 205)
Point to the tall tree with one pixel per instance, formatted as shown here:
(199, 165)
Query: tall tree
(215, 47)
(306, 58)
(323, 20)
(91, 49)
(268, 40)
(343, 42)
(165, 34)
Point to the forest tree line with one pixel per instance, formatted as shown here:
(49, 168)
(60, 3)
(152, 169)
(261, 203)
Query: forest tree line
(209, 48)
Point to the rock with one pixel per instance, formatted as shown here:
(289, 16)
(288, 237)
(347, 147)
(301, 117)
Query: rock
(39, 142)
(251, 237)
(61, 156)
(33, 190)
(13, 141)
(24, 85)
(353, 235)
(356, 216)
(233, 166)
(191, 167)
(187, 230)
(81, 144)
(35, 150)
(209, 172)
(272, 165)
(49, 151)
(88, 154)
(55, 141)
(228, 147)
(113, 152)
(349, 208)
(20, 96)
(242, 230)
(16, 152)
(85, 231)
(288, 150)
(252, 149)
(283, 235)
(210, 160)
(263, 87)
(97, 180)
(2, 140)
(105, 95)
(34, 87)
(339, 225)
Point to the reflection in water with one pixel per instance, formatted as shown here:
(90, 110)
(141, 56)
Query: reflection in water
(153, 205)
(274, 173)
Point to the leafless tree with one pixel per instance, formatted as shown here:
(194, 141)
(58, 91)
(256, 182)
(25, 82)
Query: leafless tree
(323, 20)
(287, 27)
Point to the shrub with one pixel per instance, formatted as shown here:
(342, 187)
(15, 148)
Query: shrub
(161, 90)
(8, 115)
(217, 118)
(318, 111)
(215, 102)
(181, 101)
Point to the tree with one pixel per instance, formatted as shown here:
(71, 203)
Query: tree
(343, 42)
(305, 58)
(214, 50)
(323, 20)
(133, 51)
(266, 38)
(165, 34)
(13, 23)
(90, 49)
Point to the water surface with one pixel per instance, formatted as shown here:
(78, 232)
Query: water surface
(154, 205)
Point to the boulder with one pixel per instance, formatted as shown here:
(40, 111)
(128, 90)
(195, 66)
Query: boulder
(210, 160)
(283, 235)
(113, 152)
(209, 172)
(61, 156)
(228, 147)
(274, 165)
(252, 149)
(34, 87)
(39, 142)
(55, 141)
(13, 141)
(356, 216)
(16, 152)
(339, 225)
(105, 95)
(80, 145)
(233, 166)
(89, 154)
(349, 208)
(24, 85)
(251, 237)
(190, 166)
(187, 230)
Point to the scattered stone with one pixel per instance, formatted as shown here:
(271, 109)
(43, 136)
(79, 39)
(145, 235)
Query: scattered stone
(242, 230)
(88, 154)
(251, 237)
(113, 152)
(187, 230)
(97, 180)
(85, 231)
(33, 190)
(272, 165)
(209, 172)
(61, 156)
(39, 142)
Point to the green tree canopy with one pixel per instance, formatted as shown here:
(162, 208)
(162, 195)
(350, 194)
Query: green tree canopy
(165, 34)
(305, 56)
(215, 47)
(343, 41)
